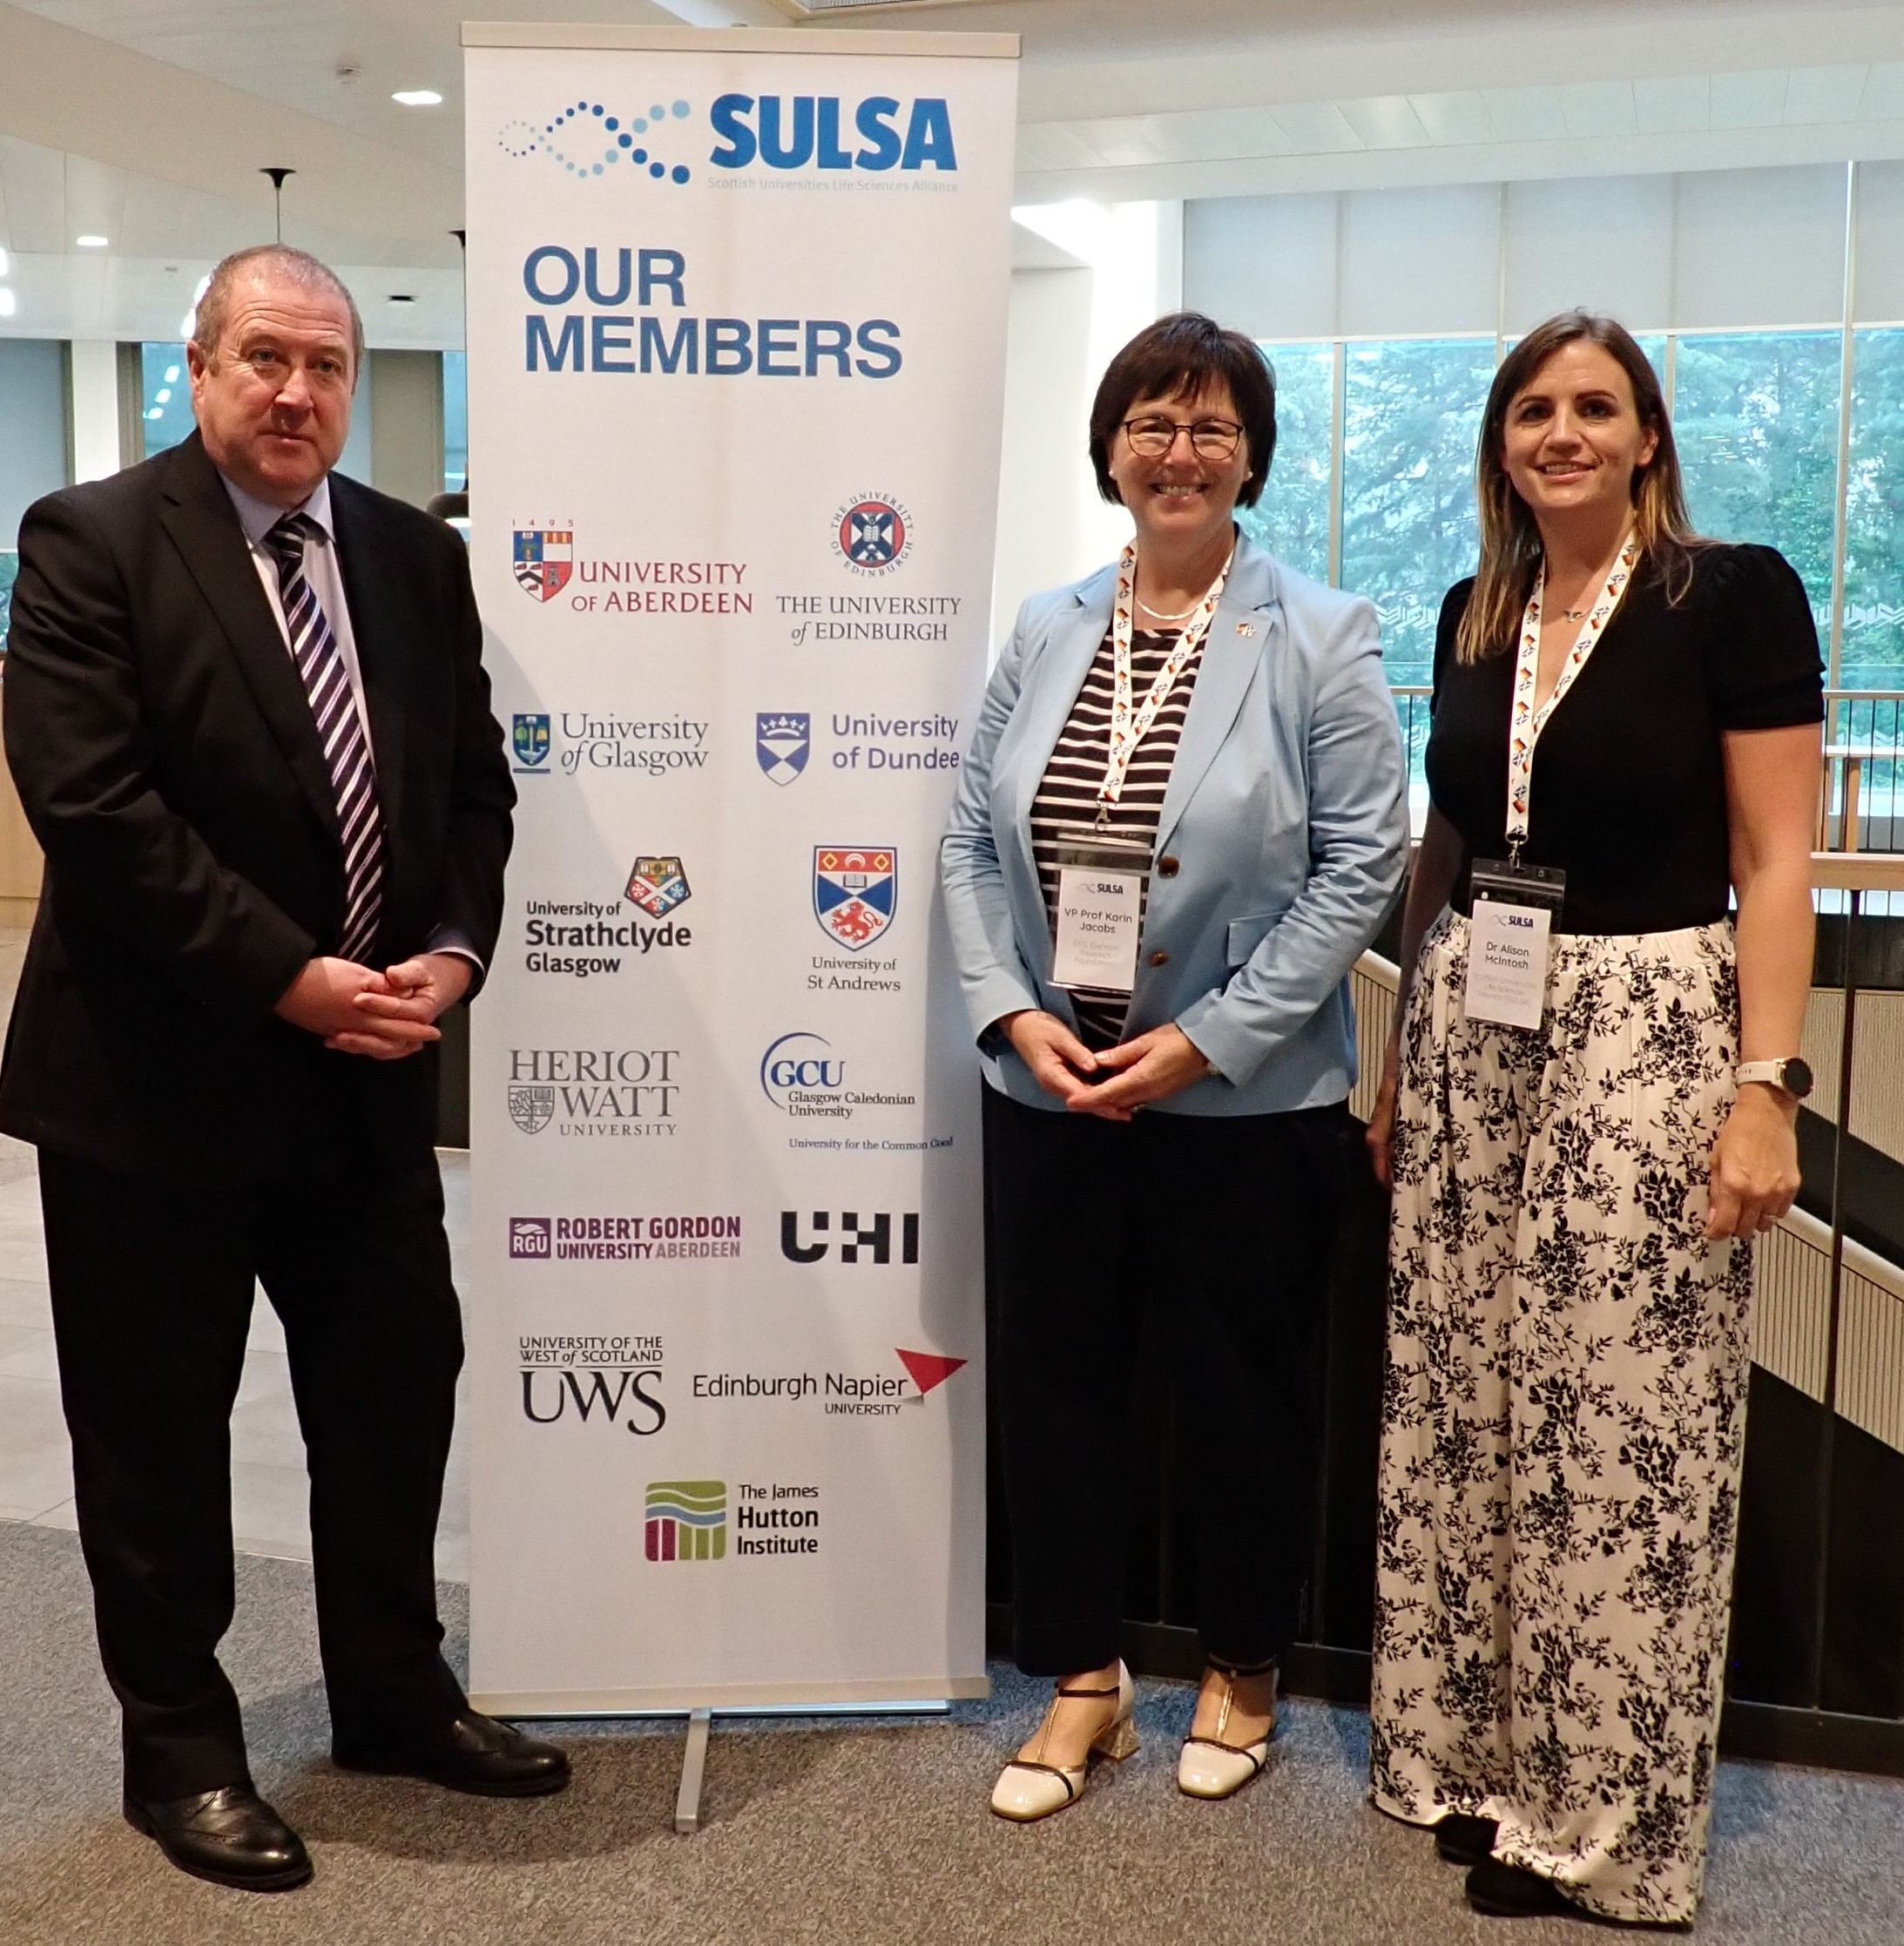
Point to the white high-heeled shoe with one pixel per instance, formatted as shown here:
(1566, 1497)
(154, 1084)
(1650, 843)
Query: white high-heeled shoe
(1027, 1790)
(1211, 1767)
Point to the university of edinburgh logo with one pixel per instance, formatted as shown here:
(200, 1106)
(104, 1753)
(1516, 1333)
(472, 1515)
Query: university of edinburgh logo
(855, 892)
(686, 1520)
(873, 533)
(544, 560)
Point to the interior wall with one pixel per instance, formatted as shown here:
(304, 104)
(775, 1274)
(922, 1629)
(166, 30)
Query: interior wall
(33, 412)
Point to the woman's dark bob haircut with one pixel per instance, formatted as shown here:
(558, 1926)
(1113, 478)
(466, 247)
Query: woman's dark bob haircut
(1180, 357)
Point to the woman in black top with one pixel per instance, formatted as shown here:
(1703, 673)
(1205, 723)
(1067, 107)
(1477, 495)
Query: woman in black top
(1587, 1113)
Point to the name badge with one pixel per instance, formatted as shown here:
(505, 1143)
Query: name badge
(1100, 913)
(1508, 935)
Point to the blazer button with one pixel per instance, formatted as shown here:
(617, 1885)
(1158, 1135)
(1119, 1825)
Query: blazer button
(1160, 959)
(1166, 866)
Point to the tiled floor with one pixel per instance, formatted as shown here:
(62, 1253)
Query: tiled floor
(269, 1495)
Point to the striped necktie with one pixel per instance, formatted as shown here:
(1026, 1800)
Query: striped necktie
(346, 750)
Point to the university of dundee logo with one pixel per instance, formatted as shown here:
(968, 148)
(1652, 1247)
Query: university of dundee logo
(658, 885)
(855, 892)
(781, 741)
(544, 560)
(686, 1520)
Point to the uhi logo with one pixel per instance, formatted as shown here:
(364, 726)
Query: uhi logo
(658, 885)
(781, 741)
(871, 533)
(544, 560)
(876, 1240)
(529, 739)
(685, 1520)
(855, 892)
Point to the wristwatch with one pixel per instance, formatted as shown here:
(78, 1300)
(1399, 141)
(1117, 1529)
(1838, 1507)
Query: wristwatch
(1792, 1074)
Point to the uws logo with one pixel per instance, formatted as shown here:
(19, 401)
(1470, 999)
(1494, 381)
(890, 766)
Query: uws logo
(797, 132)
(593, 1380)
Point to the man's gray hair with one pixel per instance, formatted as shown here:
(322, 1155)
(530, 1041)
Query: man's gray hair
(296, 267)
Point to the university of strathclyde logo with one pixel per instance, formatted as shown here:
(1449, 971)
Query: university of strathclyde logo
(530, 737)
(873, 533)
(685, 1520)
(781, 741)
(600, 139)
(531, 1107)
(855, 892)
(658, 885)
(544, 560)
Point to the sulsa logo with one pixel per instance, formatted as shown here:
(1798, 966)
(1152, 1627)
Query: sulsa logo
(852, 1239)
(793, 131)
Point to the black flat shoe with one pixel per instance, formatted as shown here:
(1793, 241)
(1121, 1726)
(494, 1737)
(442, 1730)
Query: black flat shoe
(1509, 1892)
(474, 1753)
(230, 1836)
(1464, 1840)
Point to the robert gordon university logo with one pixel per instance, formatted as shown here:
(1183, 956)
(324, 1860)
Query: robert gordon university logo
(544, 560)
(685, 1520)
(855, 892)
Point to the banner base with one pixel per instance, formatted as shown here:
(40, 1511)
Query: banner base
(687, 1799)
(865, 1697)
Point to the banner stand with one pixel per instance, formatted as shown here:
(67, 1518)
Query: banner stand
(687, 1799)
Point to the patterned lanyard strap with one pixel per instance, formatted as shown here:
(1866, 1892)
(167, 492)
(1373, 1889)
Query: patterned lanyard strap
(1129, 726)
(1527, 723)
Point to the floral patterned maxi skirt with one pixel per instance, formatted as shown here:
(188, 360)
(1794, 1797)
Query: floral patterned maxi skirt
(1563, 1418)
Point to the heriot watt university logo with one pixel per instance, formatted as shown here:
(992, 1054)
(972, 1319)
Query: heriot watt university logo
(531, 1107)
(685, 1520)
(658, 885)
(871, 533)
(855, 892)
(782, 740)
(544, 560)
(529, 737)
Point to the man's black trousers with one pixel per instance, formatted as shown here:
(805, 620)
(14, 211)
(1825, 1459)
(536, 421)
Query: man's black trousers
(151, 1292)
(1226, 1226)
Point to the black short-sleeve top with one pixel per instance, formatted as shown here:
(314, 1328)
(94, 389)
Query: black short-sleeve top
(1629, 790)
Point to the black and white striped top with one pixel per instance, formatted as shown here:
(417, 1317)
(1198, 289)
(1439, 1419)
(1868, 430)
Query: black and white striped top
(1067, 795)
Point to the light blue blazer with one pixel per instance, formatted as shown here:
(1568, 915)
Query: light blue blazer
(1287, 815)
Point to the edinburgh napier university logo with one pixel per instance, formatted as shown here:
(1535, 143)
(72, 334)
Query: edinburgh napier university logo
(871, 534)
(685, 1520)
(544, 558)
(782, 740)
(855, 892)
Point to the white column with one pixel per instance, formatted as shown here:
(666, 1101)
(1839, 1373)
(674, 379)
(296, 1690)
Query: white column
(95, 409)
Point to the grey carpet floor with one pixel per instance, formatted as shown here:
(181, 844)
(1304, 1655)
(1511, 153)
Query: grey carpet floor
(873, 1833)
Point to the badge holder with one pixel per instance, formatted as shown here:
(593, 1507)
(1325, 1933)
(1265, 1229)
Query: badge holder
(1514, 909)
(1101, 880)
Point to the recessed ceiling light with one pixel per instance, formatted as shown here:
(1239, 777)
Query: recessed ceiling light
(91, 242)
(418, 98)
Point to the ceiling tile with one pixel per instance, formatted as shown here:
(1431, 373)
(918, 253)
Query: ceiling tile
(1672, 104)
(1525, 114)
(1315, 127)
(1385, 122)
(1591, 108)
(1454, 120)
(1813, 95)
(1053, 145)
(1749, 100)
(1883, 97)
(35, 187)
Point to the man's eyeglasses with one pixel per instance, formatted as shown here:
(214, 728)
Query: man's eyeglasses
(1209, 438)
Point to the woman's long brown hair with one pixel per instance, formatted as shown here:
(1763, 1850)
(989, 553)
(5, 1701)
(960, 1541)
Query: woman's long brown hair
(1510, 542)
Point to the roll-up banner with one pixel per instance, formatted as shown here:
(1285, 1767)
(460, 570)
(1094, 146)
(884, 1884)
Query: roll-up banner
(736, 347)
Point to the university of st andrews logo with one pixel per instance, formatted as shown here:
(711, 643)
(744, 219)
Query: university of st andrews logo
(855, 892)
(530, 1107)
(686, 1520)
(530, 737)
(873, 533)
(781, 741)
(658, 885)
(544, 561)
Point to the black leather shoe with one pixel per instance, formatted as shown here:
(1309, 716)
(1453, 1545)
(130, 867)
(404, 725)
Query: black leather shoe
(231, 1837)
(1464, 1840)
(1510, 1892)
(474, 1753)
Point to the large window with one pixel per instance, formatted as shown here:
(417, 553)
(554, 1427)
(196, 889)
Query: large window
(33, 444)
(456, 423)
(167, 393)
(1874, 627)
(1291, 519)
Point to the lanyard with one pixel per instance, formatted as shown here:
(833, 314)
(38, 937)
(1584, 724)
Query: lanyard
(1129, 727)
(1525, 726)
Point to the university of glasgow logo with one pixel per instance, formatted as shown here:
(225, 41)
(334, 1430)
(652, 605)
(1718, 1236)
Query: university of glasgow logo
(544, 561)
(530, 737)
(686, 1520)
(873, 533)
(781, 741)
(658, 885)
(855, 892)
(530, 1107)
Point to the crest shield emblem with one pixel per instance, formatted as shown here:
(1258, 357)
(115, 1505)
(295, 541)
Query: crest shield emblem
(781, 743)
(855, 892)
(544, 560)
(873, 533)
(531, 1106)
(530, 735)
(658, 885)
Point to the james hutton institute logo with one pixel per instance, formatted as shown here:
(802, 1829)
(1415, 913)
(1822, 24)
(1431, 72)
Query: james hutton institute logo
(686, 1520)
(544, 560)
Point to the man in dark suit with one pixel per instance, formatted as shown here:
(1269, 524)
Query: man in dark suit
(247, 715)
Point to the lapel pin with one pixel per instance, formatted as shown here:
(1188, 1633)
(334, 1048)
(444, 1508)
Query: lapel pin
(1246, 628)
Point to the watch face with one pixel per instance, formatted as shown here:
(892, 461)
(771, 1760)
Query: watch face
(1797, 1078)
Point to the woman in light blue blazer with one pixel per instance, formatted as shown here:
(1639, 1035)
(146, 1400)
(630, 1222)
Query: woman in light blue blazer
(1182, 819)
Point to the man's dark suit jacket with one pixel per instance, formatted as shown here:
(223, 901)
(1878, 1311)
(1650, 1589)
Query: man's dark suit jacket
(168, 760)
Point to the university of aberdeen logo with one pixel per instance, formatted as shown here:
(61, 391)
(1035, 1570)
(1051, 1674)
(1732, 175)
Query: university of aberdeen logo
(685, 1520)
(544, 558)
